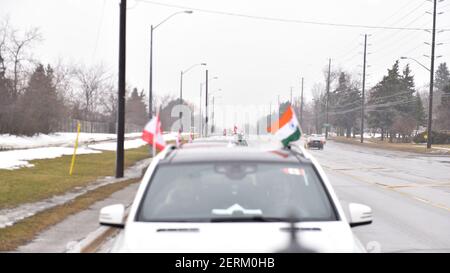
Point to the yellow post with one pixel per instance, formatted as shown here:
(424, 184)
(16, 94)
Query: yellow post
(75, 149)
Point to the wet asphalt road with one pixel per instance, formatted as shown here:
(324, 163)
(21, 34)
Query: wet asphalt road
(408, 193)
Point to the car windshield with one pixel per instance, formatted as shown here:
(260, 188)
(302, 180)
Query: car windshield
(236, 192)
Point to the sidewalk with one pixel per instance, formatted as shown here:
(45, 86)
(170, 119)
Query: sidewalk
(65, 236)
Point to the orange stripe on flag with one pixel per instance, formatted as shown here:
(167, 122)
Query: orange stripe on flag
(285, 118)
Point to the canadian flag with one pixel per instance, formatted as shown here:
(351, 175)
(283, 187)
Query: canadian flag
(152, 133)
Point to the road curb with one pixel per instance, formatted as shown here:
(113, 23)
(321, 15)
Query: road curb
(94, 240)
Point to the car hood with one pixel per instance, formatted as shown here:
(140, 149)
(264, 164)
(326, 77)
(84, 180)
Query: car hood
(234, 237)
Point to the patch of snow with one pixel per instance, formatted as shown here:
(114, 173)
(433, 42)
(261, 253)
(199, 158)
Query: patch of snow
(8, 142)
(16, 159)
(112, 146)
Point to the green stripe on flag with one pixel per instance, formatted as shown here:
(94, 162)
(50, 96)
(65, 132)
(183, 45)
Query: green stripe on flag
(294, 137)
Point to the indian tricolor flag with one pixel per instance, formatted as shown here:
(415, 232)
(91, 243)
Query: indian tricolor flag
(286, 128)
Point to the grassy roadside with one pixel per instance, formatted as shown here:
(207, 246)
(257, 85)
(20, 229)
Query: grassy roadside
(50, 177)
(405, 147)
(26, 230)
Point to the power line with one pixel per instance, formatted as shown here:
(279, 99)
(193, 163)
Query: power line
(409, 13)
(385, 40)
(98, 29)
(388, 52)
(341, 58)
(409, 3)
(283, 20)
(375, 100)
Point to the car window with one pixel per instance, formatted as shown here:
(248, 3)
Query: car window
(206, 191)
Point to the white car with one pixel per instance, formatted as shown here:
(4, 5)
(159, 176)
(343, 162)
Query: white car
(235, 199)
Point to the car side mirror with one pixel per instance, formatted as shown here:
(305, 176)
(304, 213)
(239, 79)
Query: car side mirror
(113, 215)
(359, 214)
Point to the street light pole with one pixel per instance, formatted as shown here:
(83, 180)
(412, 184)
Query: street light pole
(152, 28)
(200, 131)
(184, 72)
(150, 93)
(181, 88)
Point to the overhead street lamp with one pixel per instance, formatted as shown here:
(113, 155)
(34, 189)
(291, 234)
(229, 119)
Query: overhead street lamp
(419, 63)
(185, 72)
(152, 28)
(181, 86)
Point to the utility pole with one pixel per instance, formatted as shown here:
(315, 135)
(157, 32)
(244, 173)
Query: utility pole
(430, 106)
(363, 89)
(206, 105)
(121, 92)
(301, 105)
(328, 95)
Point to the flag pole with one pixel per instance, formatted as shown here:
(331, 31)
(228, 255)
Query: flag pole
(154, 136)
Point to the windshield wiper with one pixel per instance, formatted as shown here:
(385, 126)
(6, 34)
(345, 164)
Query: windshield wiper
(249, 219)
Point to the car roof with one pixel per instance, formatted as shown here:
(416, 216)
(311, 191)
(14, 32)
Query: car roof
(206, 144)
(232, 154)
(221, 139)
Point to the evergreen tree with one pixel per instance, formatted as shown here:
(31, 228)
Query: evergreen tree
(136, 112)
(419, 112)
(6, 103)
(406, 99)
(442, 83)
(442, 77)
(345, 102)
(381, 99)
(39, 106)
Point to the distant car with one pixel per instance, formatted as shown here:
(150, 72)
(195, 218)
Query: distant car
(315, 141)
(235, 199)
(240, 140)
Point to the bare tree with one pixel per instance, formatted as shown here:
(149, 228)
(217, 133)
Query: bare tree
(109, 100)
(4, 31)
(18, 51)
(93, 83)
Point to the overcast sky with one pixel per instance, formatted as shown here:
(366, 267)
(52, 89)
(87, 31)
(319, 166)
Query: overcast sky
(255, 60)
